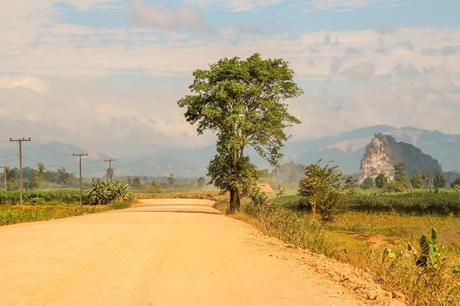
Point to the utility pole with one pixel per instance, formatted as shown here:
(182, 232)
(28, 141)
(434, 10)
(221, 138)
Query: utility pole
(5, 178)
(21, 178)
(110, 170)
(80, 155)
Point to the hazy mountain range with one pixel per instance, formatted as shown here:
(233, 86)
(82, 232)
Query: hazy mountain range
(346, 150)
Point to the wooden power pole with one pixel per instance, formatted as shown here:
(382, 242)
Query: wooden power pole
(5, 178)
(110, 170)
(80, 155)
(21, 177)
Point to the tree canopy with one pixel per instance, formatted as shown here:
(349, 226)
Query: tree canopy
(242, 102)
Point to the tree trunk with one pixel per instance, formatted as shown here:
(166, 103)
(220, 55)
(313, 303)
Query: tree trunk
(314, 203)
(234, 200)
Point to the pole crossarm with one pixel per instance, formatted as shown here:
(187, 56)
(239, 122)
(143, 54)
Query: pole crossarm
(110, 170)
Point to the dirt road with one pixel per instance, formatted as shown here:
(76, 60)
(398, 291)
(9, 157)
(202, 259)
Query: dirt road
(162, 252)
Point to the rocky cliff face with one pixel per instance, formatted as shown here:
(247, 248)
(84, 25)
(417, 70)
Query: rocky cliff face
(383, 152)
(376, 160)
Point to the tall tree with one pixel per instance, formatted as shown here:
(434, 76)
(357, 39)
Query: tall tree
(439, 181)
(242, 102)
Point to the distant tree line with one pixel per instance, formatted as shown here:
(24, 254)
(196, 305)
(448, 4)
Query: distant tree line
(40, 177)
(402, 182)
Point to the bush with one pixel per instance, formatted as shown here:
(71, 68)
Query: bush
(258, 197)
(106, 192)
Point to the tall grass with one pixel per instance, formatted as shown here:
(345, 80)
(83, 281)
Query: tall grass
(291, 228)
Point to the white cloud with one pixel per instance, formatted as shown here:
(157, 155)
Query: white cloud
(30, 83)
(160, 16)
(409, 76)
(346, 5)
(237, 5)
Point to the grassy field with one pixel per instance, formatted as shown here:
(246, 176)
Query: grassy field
(360, 237)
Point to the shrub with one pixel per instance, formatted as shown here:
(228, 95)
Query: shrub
(106, 192)
(381, 181)
(426, 278)
(258, 197)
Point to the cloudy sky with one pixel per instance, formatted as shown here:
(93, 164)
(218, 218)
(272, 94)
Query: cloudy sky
(106, 75)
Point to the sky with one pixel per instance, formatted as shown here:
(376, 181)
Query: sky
(106, 75)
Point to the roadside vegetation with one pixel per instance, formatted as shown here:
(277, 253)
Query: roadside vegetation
(53, 204)
(409, 241)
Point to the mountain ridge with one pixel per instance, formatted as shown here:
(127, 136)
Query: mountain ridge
(345, 149)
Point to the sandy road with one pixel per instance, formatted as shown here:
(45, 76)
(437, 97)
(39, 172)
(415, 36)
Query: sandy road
(162, 252)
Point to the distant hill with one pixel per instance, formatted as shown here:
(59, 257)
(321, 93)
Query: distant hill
(384, 152)
(345, 149)
(348, 148)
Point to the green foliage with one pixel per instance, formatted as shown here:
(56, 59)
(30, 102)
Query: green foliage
(106, 192)
(400, 175)
(41, 196)
(439, 181)
(456, 183)
(419, 180)
(414, 202)
(322, 186)
(431, 253)
(396, 186)
(368, 183)
(242, 101)
(15, 214)
(381, 181)
(258, 197)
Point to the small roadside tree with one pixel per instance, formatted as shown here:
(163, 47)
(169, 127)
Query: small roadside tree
(323, 186)
(242, 102)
